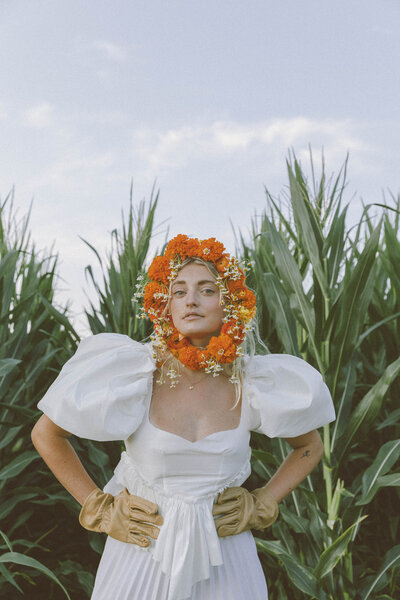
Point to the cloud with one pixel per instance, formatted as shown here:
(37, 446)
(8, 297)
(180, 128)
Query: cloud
(64, 171)
(110, 50)
(177, 148)
(39, 116)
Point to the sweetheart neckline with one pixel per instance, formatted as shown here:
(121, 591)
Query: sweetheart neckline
(195, 441)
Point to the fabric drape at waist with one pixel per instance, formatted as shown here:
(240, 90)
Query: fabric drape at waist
(188, 543)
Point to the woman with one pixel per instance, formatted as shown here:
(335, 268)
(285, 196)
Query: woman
(177, 519)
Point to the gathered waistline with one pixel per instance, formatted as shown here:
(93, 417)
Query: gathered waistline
(126, 466)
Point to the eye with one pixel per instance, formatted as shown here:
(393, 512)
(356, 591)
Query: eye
(178, 293)
(208, 291)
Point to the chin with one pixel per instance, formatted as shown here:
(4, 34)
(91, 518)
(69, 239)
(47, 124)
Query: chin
(199, 333)
(195, 333)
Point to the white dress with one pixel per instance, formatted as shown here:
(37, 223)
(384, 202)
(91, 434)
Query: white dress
(103, 393)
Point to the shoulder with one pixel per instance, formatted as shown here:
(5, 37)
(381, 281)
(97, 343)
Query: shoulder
(102, 390)
(286, 395)
(284, 372)
(113, 348)
(109, 341)
(259, 366)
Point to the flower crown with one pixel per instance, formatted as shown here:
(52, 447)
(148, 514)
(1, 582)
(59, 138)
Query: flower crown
(239, 304)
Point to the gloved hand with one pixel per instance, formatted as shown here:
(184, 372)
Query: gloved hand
(124, 517)
(241, 510)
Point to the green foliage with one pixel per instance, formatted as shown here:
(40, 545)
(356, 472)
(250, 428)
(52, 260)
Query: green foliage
(41, 539)
(326, 293)
(16, 558)
(33, 347)
(331, 296)
(117, 311)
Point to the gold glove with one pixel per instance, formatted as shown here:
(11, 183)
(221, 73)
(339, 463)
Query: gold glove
(241, 510)
(124, 517)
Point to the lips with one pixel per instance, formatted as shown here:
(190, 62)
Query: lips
(192, 314)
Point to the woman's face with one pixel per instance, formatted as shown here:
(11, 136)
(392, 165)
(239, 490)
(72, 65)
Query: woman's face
(195, 304)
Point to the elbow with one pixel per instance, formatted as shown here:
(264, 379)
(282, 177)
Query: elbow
(46, 432)
(36, 435)
(42, 433)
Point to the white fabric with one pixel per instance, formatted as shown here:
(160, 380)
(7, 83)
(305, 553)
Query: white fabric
(104, 392)
(101, 392)
(183, 478)
(286, 395)
(126, 573)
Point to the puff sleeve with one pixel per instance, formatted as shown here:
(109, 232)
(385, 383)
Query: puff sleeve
(286, 396)
(101, 392)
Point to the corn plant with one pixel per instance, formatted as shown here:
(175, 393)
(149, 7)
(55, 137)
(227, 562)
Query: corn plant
(325, 293)
(321, 288)
(41, 539)
(117, 311)
(33, 347)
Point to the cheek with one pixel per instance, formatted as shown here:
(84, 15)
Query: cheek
(173, 309)
(217, 312)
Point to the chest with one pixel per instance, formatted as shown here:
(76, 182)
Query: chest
(209, 407)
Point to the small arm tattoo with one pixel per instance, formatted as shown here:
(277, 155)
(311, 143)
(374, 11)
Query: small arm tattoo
(305, 454)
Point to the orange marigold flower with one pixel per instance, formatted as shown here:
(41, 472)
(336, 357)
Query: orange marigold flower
(234, 329)
(191, 357)
(211, 249)
(159, 269)
(247, 298)
(228, 325)
(184, 246)
(177, 341)
(154, 291)
(234, 285)
(222, 348)
(154, 300)
(244, 296)
(222, 264)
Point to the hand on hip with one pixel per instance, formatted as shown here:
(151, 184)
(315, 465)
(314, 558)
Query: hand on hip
(125, 517)
(238, 510)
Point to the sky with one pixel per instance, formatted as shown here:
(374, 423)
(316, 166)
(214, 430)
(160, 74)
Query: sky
(201, 101)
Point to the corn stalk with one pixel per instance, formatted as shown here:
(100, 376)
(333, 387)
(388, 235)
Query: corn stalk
(330, 296)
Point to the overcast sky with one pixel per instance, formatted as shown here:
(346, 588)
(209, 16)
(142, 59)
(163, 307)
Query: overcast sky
(203, 98)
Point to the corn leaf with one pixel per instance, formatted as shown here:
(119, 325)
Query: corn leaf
(337, 550)
(301, 576)
(391, 561)
(16, 558)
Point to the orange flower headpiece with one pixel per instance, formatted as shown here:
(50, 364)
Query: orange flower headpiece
(238, 300)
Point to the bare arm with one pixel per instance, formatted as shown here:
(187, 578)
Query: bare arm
(53, 446)
(307, 452)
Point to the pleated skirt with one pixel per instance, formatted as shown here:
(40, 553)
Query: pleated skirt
(128, 573)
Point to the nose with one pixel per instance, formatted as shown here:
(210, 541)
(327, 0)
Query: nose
(191, 298)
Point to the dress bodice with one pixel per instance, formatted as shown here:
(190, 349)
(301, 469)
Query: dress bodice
(183, 478)
(175, 465)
